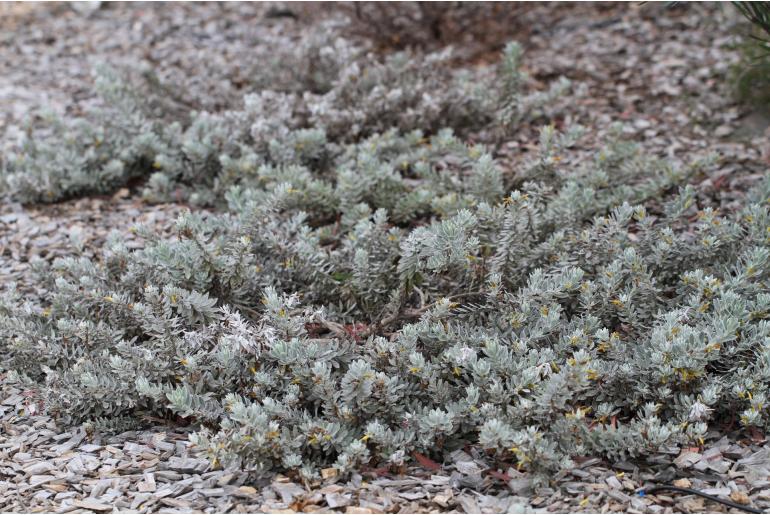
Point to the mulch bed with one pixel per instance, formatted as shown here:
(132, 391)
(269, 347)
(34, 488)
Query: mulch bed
(663, 72)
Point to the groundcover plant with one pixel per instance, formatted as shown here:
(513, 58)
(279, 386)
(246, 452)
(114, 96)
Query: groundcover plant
(370, 281)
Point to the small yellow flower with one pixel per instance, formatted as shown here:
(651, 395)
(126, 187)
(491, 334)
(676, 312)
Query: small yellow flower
(686, 374)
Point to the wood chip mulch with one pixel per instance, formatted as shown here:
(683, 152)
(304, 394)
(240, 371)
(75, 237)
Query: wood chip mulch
(662, 71)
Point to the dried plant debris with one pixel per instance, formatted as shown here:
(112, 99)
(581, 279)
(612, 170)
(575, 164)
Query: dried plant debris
(46, 469)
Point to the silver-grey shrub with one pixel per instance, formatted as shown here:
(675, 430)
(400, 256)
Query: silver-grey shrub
(140, 131)
(319, 324)
(377, 285)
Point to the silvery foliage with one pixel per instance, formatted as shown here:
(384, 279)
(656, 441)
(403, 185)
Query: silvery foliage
(333, 319)
(71, 156)
(337, 94)
(377, 285)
